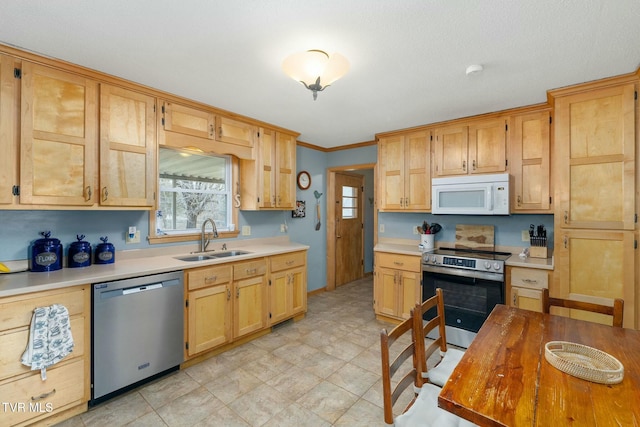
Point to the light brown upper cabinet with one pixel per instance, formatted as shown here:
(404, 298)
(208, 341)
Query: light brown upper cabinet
(529, 161)
(188, 120)
(594, 158)
(269, 181)
(480, 147)
(404, 163)
(58, 144)
(9, 122)
(127, 148)
(235, 132)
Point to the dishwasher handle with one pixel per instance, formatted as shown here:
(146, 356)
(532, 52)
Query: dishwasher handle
(137, 289)
(141, 288)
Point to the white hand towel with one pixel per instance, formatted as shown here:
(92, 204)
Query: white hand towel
(50, 338)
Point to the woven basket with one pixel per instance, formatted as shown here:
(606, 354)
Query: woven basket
(584, 362)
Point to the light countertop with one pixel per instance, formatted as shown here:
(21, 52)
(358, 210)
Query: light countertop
(409, 247)
(137, 263)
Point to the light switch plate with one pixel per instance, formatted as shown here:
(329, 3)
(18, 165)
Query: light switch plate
(246, 230)
(525, 235)
(382, 228)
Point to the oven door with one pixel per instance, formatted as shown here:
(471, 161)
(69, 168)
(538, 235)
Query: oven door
(467, 300)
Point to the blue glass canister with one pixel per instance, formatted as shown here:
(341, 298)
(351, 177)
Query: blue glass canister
(79, 253)
(46, 253)
(105, 252)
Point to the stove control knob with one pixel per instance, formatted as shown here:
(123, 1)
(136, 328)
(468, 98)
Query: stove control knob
(496, 266)
(433, 259)
(487, 265)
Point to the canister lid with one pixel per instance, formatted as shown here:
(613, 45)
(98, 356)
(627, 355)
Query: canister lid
(46, 240)
(105, 245)
(80, 244)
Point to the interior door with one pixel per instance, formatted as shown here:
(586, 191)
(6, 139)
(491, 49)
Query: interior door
(349, 227)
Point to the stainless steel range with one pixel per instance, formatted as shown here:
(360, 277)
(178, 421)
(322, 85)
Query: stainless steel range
(473, 283)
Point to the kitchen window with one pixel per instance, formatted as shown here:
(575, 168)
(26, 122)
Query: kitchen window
(193, 186)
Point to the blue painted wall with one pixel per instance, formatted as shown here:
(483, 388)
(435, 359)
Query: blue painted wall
(18, 229)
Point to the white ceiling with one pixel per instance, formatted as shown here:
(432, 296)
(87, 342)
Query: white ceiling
(408, 57)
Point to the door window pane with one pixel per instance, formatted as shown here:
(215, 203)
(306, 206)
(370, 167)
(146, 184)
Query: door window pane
(349, 202)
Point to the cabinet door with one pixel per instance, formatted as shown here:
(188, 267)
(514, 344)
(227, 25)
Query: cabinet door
(529, 161)
(209, 318)
(451, 151)
(59, 137)
(488, 146)
(408, 293)
(595, 152)
(285, 168)
(298, 290)
(280, 302)
(267, 166)
(188, 121)
(127, 148)
(9, 122)
(417, 174)
(235, 132)
(386, 292)
(391, 163)
(527, 299)
(596, 266)
(249, 305)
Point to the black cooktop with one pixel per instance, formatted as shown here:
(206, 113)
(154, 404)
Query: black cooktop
(473, 253)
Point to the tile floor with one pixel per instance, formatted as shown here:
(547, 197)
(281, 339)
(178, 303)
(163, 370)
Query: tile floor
(321, 371)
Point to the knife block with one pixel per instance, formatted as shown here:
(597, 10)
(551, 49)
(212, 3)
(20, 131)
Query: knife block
(538, 252)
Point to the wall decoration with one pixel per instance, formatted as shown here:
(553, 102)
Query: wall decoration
(301, 209)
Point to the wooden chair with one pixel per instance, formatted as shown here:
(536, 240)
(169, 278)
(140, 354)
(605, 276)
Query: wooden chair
(617, 310)
(449, 357)
(423, 408)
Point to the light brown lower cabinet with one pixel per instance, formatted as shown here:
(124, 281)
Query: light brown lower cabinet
(230, 301)
(288, 286)
(396, 285)
(525, 287)
(25, 397)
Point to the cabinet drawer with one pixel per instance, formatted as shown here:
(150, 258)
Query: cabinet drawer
(14, 343)
(17, 311)
(529, 278)
(31, 397)
(208, 276)
(286, 261)
(399, 262)
(249, 269)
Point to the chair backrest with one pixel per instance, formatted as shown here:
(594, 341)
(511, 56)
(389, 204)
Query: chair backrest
(423, 329)
(617, 310)
(409, 375)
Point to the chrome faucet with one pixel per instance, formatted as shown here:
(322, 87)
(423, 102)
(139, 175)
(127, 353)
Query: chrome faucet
(204, 240)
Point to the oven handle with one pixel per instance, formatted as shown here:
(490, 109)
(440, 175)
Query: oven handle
(471, 274)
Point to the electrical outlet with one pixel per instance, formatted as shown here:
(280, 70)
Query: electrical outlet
(132, 237)
(382, 228)
(282, 228)
(525, 235)
(246, 230)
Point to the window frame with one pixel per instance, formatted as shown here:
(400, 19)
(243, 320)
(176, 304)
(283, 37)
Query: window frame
(154, 238)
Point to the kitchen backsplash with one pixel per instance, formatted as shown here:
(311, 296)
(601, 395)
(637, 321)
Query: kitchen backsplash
(508, 229)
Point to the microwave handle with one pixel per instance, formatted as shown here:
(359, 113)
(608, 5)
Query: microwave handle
(490, 198)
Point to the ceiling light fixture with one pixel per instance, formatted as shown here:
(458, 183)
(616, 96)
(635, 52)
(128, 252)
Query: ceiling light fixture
(315, 69)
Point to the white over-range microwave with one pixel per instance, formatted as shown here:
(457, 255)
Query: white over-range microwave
(471, 195)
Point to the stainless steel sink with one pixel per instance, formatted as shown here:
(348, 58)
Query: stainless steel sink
(228, 254)
(211, 255)
(191, 258)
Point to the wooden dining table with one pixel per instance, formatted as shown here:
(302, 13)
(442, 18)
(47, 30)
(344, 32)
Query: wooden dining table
(504, 378)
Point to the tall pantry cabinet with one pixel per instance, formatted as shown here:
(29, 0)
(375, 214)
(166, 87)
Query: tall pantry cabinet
(594, 167)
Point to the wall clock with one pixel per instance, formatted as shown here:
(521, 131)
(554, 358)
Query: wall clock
(304, 180)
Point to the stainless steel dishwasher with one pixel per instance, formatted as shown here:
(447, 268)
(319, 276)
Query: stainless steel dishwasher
(138, 332)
